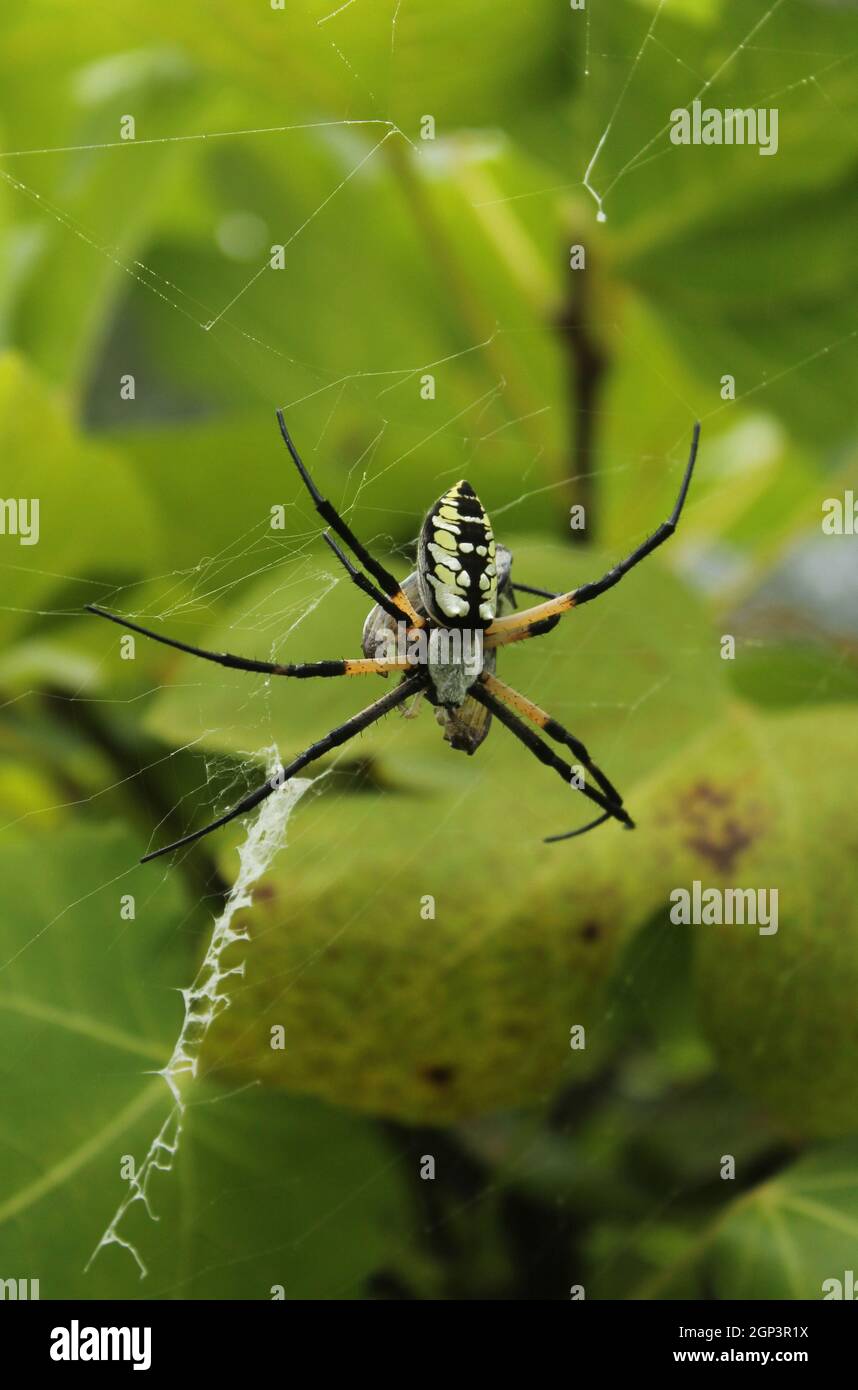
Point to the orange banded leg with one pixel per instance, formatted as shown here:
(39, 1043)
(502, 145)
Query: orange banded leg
(401, 601)
(518, 627)
(554, 607)
(531, 617)
(546, 755)
(522, 705)
(361, 666)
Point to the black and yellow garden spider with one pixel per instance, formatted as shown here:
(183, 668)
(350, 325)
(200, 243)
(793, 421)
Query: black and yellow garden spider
(460, 589)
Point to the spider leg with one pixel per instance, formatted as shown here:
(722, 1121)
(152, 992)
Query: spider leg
(529, 589)
(546, 755)
(362, 582)
(536, 628)
(334, 739)
(388, 582)
(362, 666)
(552, 728)
(573, 834)
(516, 622)
(520, 634)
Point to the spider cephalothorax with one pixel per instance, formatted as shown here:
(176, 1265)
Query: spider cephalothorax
(440, 630)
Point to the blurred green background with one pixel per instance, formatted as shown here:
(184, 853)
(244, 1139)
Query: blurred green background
(407, 1035)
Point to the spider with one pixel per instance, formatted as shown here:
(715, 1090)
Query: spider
(461, 588)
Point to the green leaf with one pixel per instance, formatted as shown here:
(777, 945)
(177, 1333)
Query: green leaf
(792, 1237)
(89, 1005)
(524, 940)
(96, 209)
(783, 674)
(92, 514)
(721, 273)
(780, 1008)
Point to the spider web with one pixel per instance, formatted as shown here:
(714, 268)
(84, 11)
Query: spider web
(224, 578)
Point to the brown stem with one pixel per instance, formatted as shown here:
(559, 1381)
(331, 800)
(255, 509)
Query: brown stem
(149, 803)
(586, 368)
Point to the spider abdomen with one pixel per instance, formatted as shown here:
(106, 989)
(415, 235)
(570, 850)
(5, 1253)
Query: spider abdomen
(456, 561)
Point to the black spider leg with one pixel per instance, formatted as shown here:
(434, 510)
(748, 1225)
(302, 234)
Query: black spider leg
(531, 621)
(389, 583)
(301, 670)
(546, 755)
(658, 537)
(573, 834)
(529, 589)
(554, 729)
(363, 583)
(334, 739)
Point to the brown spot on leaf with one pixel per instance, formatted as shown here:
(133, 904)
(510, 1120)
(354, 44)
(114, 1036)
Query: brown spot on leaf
(713, 827)
(704, 794)
(439, 1075)
(591, 931)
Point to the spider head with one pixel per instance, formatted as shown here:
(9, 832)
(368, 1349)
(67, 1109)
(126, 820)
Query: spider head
(456, 567)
